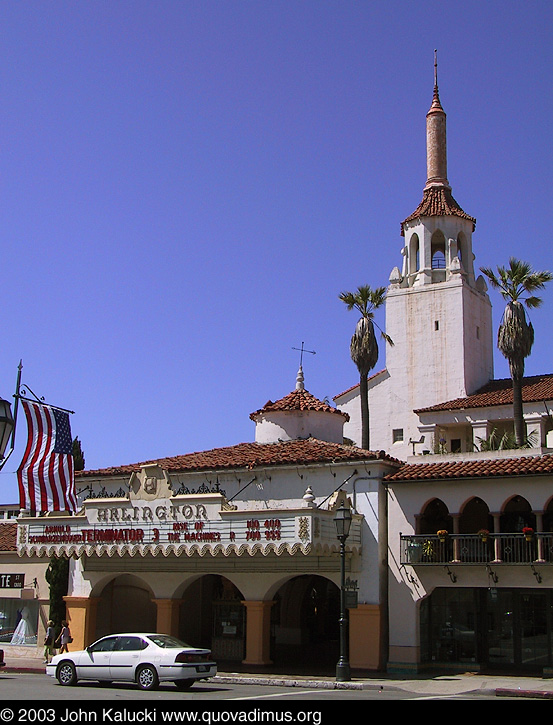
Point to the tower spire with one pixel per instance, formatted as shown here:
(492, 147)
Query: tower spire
(436, 149)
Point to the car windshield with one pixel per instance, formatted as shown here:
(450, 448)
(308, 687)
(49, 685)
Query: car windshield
(164, 640)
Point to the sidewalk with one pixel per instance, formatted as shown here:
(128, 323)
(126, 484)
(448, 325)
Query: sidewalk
(423, 685)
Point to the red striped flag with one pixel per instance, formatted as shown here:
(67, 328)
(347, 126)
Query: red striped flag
(45, 476)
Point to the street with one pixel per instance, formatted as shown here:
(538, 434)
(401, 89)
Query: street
(43, 691)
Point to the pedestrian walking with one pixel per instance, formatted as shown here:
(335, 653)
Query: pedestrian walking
(49, 641)
(65, 637)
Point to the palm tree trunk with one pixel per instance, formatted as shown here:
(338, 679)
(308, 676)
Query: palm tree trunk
(364, 395)
(520, 428)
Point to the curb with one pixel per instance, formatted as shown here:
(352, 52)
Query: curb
(288, 682)
(539, 694)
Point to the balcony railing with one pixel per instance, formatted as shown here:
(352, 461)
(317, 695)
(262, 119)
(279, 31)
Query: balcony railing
(428, 550)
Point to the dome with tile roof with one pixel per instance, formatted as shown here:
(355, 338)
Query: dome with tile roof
(298, 415)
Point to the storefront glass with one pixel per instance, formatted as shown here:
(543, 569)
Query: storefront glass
(18, 622)
(448, 624)
(496, 628)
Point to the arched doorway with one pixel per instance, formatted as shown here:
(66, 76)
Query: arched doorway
(125, 605)
(517, 513)
(434, 517)
(212, 615)
(475, 517)
(305, 623)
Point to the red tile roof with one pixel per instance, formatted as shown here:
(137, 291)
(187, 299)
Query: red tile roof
(298, 400)
(8, 537)
(500, 392)
(438, 201)
(352, 387)
(253, 455)
(476, 468)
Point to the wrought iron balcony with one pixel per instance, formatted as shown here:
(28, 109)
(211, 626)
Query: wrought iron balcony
(467, 549)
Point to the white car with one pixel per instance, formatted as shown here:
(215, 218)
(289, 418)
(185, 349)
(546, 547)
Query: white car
(146, 659)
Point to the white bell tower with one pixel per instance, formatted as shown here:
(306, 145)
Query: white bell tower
(437, 313)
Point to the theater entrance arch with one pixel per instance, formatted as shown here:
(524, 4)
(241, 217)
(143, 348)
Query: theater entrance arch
(125, 605)
(212, 615)
(305, 622)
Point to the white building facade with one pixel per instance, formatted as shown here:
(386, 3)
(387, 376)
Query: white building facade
(450, 556)
(234, 549)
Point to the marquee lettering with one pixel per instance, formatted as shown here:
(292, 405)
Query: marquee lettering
(162, 512)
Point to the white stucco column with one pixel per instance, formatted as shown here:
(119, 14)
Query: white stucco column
(479, 431)
(535, 429)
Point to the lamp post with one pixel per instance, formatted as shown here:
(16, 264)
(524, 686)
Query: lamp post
(7, 422)
(342, 520)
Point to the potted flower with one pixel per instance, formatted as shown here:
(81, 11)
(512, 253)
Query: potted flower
(428, 549)
(483, 534)
(442, 533)
(528, 532)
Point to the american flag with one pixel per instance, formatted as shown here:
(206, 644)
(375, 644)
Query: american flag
(45, 476)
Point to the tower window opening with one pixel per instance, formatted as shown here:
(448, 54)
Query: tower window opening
(436, 325)
(438, 259)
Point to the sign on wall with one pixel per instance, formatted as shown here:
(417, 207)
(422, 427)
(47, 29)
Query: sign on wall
(12, 581)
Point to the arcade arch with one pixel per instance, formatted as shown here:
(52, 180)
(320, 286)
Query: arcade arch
(435, 516)
(475, 516)
(301, 614)
(125, 604)
(305, 621)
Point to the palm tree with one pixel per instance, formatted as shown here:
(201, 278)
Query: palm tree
(364, 346)
(517, 284)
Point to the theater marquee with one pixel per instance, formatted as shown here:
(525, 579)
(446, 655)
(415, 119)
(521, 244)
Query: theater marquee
(198, 524)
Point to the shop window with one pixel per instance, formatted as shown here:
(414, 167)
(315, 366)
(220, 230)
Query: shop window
(449, 626)
(18, 622)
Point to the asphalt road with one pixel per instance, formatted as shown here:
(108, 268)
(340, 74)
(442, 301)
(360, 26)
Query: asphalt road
(34, 692)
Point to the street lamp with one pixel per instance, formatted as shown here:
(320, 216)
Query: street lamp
(6, 427)
(342, 520)
(7, 422)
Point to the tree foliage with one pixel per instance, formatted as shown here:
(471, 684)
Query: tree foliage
(517, 284)
(78, 455)
(364, 345)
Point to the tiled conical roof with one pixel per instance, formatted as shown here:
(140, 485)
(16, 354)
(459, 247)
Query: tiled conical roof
(298, 400)
(438, 201)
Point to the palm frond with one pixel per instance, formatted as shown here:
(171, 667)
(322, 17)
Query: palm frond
(517, 280)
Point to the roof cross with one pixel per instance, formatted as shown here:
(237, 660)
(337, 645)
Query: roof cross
(301, 351)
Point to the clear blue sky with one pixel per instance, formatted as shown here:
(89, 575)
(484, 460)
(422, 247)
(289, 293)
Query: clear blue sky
(187, 186)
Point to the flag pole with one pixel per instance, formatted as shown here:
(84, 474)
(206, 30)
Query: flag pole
(41, 401)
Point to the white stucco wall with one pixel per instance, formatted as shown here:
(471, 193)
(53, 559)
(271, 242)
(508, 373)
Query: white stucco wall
(292, 425)
(409, 585)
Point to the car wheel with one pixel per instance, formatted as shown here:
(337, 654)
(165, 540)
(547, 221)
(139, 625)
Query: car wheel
(66, 673)
(147, 678)
(184, 684)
